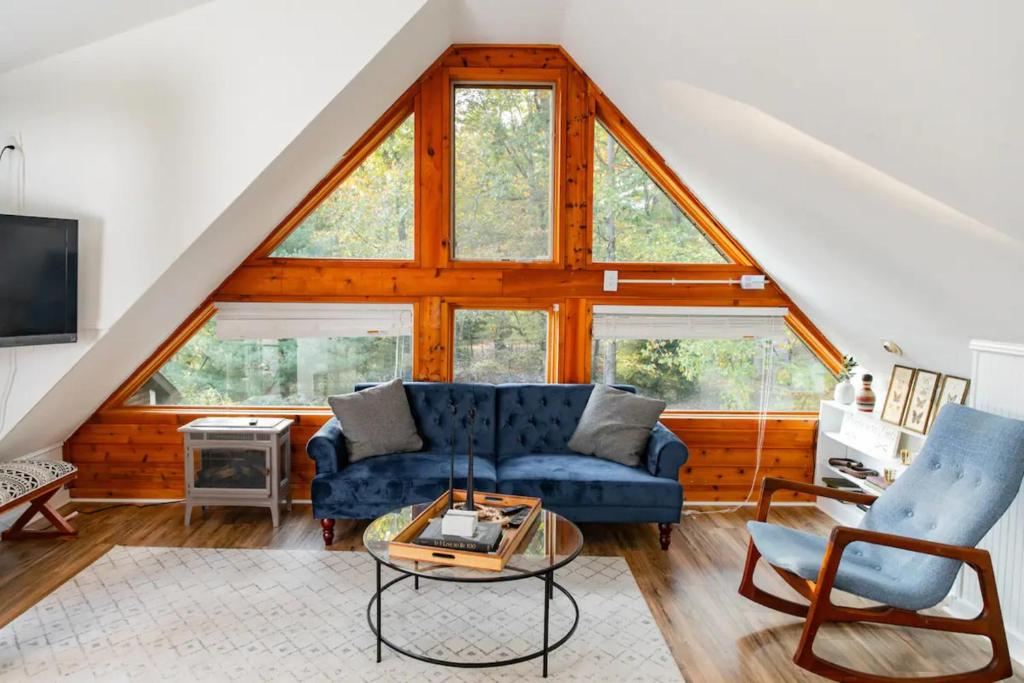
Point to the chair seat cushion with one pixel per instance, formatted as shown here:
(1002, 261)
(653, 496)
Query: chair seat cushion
(399, 479)
(573, 481)
(19, 478)
(861, 571)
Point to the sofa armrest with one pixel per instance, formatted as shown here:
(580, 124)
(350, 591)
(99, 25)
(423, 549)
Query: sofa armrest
(327, 448)
(666, 453)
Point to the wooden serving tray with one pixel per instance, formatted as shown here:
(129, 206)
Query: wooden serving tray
(402, 546)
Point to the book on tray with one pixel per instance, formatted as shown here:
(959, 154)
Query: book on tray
(486, 539)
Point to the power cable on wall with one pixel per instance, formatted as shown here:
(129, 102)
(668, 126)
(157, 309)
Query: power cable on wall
(13, 355)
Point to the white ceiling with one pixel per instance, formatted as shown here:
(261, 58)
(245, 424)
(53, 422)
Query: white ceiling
(31, 30)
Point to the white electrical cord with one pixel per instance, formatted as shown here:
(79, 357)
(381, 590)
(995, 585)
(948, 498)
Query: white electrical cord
(767, 379)
(13, 363)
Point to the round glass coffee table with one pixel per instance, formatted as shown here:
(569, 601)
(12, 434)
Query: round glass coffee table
(551, 543)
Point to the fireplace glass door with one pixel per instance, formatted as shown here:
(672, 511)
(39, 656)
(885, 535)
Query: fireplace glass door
(231, 469)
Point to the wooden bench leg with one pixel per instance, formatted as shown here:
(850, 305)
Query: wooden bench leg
(41, 505)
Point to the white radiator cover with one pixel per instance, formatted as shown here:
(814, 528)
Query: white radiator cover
(997, 386)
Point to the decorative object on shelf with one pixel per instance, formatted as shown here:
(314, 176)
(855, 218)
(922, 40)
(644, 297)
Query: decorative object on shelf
(905, 457)
(845, 392)
(951, 390)
(451, 474)
(922, 398)
(898, 395)
(866, 397)
(890, 474)
(865, 434)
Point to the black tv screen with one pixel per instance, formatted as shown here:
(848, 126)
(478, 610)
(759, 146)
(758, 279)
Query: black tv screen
(38, 280)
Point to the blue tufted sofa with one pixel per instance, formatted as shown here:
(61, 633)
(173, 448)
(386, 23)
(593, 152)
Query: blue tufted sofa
(520, 446)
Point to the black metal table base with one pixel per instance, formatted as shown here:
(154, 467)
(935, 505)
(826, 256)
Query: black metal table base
(549, 586)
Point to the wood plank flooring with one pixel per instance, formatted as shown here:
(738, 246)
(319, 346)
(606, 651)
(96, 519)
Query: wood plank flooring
(714, 634)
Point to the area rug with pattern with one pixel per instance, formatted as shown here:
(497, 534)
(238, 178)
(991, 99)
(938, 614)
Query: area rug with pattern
(200, 614)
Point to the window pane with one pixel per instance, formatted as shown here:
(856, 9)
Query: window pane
(501, 346)
(634, 220)
(503, 149)
(712, 374)
(209, 371)
(370, 215)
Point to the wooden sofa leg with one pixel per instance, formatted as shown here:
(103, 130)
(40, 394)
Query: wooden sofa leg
(328, 528)
(665, 534)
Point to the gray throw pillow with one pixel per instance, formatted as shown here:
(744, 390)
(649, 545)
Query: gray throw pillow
(616, 425)
(376, 421)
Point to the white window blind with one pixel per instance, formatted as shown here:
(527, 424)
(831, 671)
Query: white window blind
(249, 320)
(688, 322)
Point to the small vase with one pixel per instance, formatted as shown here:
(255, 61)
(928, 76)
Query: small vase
(845, 393)
(866, 397)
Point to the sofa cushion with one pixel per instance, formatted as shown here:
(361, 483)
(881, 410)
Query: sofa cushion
(572, 481)
(376, 421)
(540, 418)
(400, 479)
(431, 402)
(616, 425)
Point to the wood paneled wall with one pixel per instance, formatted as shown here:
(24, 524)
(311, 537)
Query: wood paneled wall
(128, 453)
(135, 452)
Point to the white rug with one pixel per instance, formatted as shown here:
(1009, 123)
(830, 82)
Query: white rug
(190, 614)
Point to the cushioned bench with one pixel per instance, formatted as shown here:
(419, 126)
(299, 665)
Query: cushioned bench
(34, 482)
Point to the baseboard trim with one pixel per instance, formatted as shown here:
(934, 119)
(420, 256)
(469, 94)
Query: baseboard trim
(750, 504)
(962, 609)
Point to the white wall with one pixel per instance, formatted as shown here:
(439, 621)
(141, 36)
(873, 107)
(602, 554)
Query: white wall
(147, 138)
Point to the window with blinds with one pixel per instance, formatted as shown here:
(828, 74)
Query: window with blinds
(253, 354)
(702, 358)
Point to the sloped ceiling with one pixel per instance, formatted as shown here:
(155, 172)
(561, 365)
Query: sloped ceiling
(868, 154)
(30, 31)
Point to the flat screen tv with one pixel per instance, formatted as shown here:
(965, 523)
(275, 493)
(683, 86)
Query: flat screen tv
(38, 280)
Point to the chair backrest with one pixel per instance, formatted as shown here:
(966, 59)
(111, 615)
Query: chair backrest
(430, 404)
(541, 418)
(957, 488)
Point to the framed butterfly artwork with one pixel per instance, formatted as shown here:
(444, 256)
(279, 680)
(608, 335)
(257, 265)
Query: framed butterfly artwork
(951, 390)
(922, 400)
(898, 395)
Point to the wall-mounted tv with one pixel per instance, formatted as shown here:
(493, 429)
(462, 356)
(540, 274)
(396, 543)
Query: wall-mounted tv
(38, 280)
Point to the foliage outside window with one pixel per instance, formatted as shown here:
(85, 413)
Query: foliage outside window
(501, 346)
(634, 219)
(503, 173)
(209, 371)
(370, 215)
(714, 374)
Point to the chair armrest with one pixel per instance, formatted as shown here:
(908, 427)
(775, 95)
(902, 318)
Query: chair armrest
(772, 484)
(843, 536)
(666, 453)
(327, 448)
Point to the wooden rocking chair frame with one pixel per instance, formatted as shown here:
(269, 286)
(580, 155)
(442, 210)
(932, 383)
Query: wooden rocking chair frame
(39, 503)
(821, 610)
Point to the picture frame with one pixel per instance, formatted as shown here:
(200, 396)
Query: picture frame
(897, 396)
(922, 401)
(951, 389)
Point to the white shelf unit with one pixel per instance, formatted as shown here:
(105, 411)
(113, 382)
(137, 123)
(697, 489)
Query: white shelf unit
(834, 443)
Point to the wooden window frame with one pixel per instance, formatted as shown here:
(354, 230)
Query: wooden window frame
(407, 105)
(699, 223)
(585, 354)
(555, 310)
(191, 326)
(557, 79)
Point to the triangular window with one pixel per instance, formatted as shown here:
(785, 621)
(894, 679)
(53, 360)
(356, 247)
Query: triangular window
(370, 215)
(635, 221)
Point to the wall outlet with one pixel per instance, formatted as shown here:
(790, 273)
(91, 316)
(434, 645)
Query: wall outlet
(611, 280)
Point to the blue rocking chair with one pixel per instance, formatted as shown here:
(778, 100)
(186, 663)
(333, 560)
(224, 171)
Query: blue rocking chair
(908, 549)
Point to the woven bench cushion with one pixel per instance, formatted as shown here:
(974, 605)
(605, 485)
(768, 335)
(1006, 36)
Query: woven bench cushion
(19, 478)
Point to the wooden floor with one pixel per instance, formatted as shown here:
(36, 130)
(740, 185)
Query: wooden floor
(714, 634)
